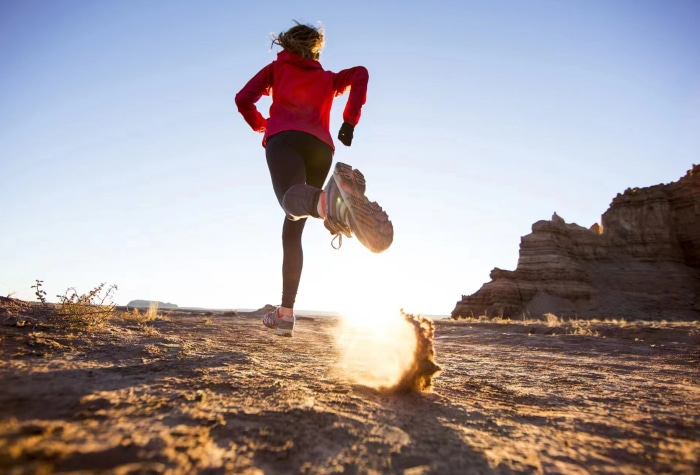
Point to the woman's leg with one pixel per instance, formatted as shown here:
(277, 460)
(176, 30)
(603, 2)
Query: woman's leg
(292, 260)
(299, 164)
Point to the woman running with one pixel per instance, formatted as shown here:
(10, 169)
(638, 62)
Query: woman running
(299, 151)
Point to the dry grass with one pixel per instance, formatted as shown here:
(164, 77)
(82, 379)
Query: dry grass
(552, 320)
(153, 350)
(575, 326)
(135, 317)
(138, 317)
(148, 330)
(152, 312)
(582, 327)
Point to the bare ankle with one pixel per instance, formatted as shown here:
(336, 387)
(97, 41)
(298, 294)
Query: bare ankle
(321, 205)
(286, 311)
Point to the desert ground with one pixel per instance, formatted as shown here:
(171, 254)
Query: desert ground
(214, 392)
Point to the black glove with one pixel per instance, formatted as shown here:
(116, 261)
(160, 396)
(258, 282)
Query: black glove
(345, 134)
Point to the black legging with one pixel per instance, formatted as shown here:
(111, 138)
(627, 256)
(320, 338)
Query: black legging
(299, 164)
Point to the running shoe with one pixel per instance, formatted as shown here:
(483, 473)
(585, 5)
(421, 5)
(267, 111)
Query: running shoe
(349, 212)
(283, 326)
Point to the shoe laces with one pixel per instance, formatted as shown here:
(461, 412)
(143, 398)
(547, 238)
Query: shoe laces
(269, 318)
(337, 237)
(337, 232)
(338, 225)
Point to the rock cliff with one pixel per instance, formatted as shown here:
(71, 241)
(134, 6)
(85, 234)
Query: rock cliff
(642, 262)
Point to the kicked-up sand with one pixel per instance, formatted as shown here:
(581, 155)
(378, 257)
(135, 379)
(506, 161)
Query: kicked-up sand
(219, 393)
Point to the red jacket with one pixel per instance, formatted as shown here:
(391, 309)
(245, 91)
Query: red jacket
(302, 96)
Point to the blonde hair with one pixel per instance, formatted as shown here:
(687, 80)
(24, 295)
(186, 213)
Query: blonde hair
(305, 40)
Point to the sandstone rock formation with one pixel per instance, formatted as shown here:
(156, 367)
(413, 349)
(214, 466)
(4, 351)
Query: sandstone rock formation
(147, 303)
(642, 262)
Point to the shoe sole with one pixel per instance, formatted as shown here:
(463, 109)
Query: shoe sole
(370, 223)
(283, 332)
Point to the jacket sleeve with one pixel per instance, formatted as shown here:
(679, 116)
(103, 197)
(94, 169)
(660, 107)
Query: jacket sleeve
(259, 85)
(356, 79)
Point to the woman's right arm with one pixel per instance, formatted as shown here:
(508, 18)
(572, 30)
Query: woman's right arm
(355, 79)
(259, 85)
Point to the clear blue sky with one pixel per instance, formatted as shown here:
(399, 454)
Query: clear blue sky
(123, 158)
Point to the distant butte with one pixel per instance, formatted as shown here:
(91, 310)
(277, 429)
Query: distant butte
(642, 262)
(148, 303)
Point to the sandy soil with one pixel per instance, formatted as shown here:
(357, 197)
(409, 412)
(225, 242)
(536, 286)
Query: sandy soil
(221, 394)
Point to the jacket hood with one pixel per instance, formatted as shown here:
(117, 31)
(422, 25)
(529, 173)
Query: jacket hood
(295, 59)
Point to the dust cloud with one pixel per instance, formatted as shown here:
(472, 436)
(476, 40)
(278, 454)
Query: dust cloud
(390, 351)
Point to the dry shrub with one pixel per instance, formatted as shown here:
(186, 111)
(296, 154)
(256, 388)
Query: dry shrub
(87, 311)
(83, 312)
